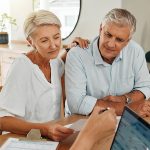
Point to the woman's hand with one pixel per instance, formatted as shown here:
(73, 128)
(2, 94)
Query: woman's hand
(83, 43)
(56, 132)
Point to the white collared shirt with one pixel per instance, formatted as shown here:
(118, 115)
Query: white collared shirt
(28, 95)
(88, 77)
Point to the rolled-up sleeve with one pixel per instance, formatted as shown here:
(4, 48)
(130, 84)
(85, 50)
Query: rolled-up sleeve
(142, 76)
(78, 100)
(61, 66)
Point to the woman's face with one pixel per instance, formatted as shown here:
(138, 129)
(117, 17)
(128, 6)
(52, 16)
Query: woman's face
(47, 40)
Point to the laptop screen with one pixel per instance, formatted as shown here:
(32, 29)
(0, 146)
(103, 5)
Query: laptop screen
(133, 133)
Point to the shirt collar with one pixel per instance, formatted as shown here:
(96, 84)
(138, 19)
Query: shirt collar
(97, 56)
(120, 56)
(95, 51)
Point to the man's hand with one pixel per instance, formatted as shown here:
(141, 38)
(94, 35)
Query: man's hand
(116, 102)
(144, 109)
(115, 98)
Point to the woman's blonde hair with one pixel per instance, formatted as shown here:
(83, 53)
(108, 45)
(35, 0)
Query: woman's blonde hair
(39, 18)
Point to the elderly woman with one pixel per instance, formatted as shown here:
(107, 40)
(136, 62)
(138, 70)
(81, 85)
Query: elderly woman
(32, 93)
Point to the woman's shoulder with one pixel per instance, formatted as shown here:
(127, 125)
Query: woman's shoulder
(22, 62)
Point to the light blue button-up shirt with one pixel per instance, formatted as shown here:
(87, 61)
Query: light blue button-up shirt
(88, 77)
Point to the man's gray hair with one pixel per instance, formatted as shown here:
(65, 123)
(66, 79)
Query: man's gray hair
(121, 17)
(39, 18)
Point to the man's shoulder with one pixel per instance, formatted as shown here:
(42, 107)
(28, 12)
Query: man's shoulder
(133, 49)
(134, 45)
(75, 49)
(78, 51)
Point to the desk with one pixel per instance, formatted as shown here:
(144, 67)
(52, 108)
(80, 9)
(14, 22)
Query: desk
(66, 144)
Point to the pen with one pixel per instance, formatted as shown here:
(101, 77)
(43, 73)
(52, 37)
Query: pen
(104, 110)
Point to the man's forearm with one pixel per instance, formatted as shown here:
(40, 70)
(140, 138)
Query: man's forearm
(118, 102)
(137, 98)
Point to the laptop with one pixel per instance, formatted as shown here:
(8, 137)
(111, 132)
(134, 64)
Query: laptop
(133, 132)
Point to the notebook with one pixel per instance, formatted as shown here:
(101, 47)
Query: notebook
(133, 132)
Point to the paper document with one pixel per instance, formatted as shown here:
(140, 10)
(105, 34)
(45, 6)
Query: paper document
(16, 144)
(118, 120)
(77, 126)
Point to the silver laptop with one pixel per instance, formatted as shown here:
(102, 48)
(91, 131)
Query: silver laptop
(133, 133)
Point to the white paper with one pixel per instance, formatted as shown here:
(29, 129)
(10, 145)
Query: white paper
(78, 125)
(118, 120)
(16, 144)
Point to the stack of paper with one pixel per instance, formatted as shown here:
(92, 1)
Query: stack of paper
(16, 144)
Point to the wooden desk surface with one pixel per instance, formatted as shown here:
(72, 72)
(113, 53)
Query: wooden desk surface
(62, 145)
(66, 144)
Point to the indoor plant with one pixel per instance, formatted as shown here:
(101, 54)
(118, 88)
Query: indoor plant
(5, 20)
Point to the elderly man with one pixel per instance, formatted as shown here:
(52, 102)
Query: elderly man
(111, 72)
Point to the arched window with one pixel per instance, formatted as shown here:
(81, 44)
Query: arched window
(68, 12)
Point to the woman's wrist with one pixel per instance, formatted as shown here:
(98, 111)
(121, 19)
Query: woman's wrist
(42, 127)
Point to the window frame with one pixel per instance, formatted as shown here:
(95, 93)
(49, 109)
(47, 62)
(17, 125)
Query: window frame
(75, 25)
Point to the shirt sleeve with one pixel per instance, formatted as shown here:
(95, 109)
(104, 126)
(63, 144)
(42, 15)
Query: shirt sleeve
(14, 93)
(142, 76)
(75, 82)
(61, 66)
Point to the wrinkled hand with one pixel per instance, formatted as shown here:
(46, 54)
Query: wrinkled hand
(144, 109)
(83, 43)
(57, 132)
(114, 98)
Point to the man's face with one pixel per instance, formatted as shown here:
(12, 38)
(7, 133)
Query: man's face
(112, 39)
